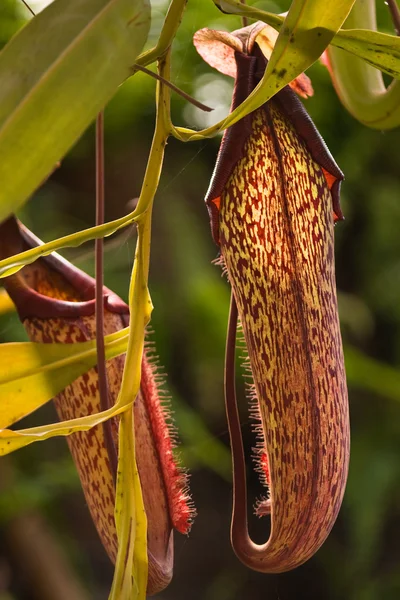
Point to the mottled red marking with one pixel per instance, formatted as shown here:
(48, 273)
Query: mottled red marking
(276, 236)
(45, 297)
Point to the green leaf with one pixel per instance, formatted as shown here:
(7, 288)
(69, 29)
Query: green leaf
(308, 29)
(12, 264)
(236, 7)
(56, 74)
(361, 87)
(380, 50)
(131, 567)
(31, 374)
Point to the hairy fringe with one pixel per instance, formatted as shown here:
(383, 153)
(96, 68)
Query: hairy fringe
(259, 451)
(176, 478)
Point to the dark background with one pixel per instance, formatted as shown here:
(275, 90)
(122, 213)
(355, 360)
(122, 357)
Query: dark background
(361, 558)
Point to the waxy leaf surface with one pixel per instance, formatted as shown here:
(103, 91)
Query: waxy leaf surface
(12, 264)
(308, 29)
(31, 374)
(360, 87)
(56, 74)
(378, 49)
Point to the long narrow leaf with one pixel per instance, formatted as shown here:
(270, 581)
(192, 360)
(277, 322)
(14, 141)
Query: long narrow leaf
(308, 29)
(31, 374)
(130, 579)
(378, 49)
(56, 74)
(14, 440)
(12, 264)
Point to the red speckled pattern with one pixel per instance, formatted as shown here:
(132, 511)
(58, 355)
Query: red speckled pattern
(276, 237)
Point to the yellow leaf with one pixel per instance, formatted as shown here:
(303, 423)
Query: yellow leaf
(308, 29)
(130, 578)
(6, 304)
(31, 374)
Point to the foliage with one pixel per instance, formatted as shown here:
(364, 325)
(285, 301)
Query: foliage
(191, 345)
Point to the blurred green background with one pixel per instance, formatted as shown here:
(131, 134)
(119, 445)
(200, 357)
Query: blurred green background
(361, 558)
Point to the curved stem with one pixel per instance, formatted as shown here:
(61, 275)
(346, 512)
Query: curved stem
(239, 513)
(360, 86)
(130, 517)
(247, 551)
(171, 25)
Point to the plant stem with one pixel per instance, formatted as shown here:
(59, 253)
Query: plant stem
(395, 14)
(245, 20)
(174, 88)
(99, 268)
(28, 7)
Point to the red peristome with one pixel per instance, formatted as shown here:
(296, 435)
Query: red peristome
(264, 466)
(175, 479)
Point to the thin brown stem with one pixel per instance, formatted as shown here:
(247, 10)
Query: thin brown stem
(245, 20)
(99, 268)
(395, 14)
(174, 88)
(28, 7)
(239, 513)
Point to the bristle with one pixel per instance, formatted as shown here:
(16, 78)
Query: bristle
(182, 511)
(220, 262)
(259, 456)
(262, 507)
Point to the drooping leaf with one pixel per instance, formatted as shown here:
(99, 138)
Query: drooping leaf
(130, 577)
(56, 74)
(31, 374)
(12, 264)
(131, 567)
(378, 49)
(308, 29)
(14, 440)
(361, 87)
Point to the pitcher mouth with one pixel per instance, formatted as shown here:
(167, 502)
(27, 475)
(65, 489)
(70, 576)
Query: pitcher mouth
(35, 303)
